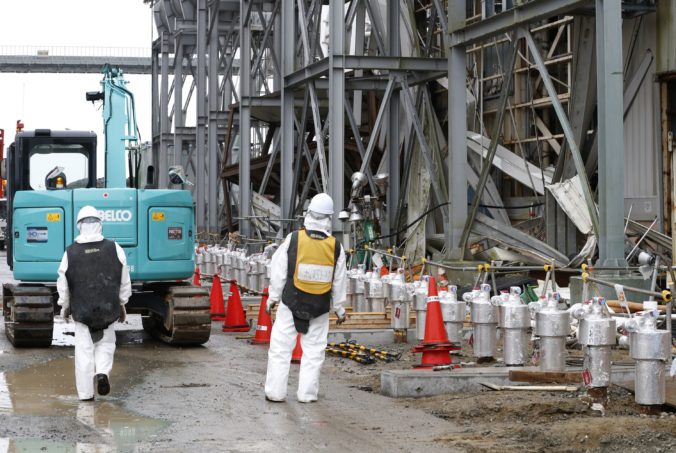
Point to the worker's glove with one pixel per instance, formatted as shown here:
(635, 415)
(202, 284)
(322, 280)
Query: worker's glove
(123, 314)
(341, 316)
(270, 305)
(65, 313)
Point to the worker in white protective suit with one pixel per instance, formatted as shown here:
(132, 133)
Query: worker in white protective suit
(308, 277)
(94, 286)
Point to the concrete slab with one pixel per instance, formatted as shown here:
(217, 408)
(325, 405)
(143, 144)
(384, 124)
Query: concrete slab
(420, 383)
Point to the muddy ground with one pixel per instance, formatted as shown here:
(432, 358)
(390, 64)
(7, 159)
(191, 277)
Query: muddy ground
(506, 421)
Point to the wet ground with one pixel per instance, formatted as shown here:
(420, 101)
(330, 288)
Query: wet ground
(210, 398)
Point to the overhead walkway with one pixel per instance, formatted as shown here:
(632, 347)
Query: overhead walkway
(75, 60)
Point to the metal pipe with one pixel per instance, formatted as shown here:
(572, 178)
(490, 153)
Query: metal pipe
(664, 295)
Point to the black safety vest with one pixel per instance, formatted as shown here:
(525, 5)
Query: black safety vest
(94, 275)
(304, 304)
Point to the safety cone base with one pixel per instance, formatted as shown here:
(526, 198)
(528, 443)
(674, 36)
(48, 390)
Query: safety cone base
(218, 316)
(240, 328)
(434, 354)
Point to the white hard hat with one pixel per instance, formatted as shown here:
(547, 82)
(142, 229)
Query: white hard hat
(88, 211)
(321, 203)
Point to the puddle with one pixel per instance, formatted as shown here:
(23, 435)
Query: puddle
(48, 390)
(129, 332)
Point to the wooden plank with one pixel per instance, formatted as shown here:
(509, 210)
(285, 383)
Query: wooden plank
(567, 377)
(670, 390)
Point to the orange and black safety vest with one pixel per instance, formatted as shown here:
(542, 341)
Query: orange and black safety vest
(312, 258)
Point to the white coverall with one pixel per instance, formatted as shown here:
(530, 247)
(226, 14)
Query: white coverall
(92, 358)
(283, 336)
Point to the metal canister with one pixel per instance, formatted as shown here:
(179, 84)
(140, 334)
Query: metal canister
(199, 261)
(514, 321)
(552, 326)
(650, 348)
(374, 292)
(597, 333)
(484, 316)
(242, 278)
(420, 292)
(251, 272)
(209, 262)
(453, 312)
(359, 300)
(400, 301)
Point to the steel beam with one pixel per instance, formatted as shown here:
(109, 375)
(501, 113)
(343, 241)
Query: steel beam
(457, 128)
(287, 130)
(519, 16)
(488, 162)
(336, 112)
(200, 132)
(610, 132)
(213, 172)
(245, 119)
(393, 138)
(565, 125)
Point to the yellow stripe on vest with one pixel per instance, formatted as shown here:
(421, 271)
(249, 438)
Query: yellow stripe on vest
(314, 264)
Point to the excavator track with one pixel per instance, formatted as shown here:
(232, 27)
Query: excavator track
(188, 318)
(29, 315)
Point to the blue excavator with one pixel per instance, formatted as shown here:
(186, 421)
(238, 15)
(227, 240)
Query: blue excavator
(50, 176)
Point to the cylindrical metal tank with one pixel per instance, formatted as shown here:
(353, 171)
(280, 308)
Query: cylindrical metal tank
(650, 348)
(552, 326)
(400, 301)
(420, 291)
(484, 317)
(453, 312)
(597, 334)
(514, 320)
(374, 292)
(359, 301)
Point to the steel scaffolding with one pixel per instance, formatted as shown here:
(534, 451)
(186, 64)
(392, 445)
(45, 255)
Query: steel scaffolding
(285, 99)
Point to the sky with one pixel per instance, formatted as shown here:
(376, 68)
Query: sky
(57, 101)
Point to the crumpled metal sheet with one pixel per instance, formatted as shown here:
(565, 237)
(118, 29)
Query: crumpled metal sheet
(569, 196)
(508, 236)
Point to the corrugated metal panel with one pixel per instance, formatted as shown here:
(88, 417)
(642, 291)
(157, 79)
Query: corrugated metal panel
(641, 138)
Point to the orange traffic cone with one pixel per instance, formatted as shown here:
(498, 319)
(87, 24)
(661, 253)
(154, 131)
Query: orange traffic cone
(196, 277)
(235, 321)
(297, 353)
(264, 327)
(435, 347)
(216, 299)
(384, 271)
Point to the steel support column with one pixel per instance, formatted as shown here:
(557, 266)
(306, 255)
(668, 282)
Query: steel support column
(287, 132)
(244, 118)
(610, 127)
(337, 111)
(162, 168)
(212, 131)
(178, 102)
(457, 129)
(200, 132)
(393, 139)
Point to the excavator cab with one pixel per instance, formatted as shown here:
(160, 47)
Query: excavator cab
(30, 165)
